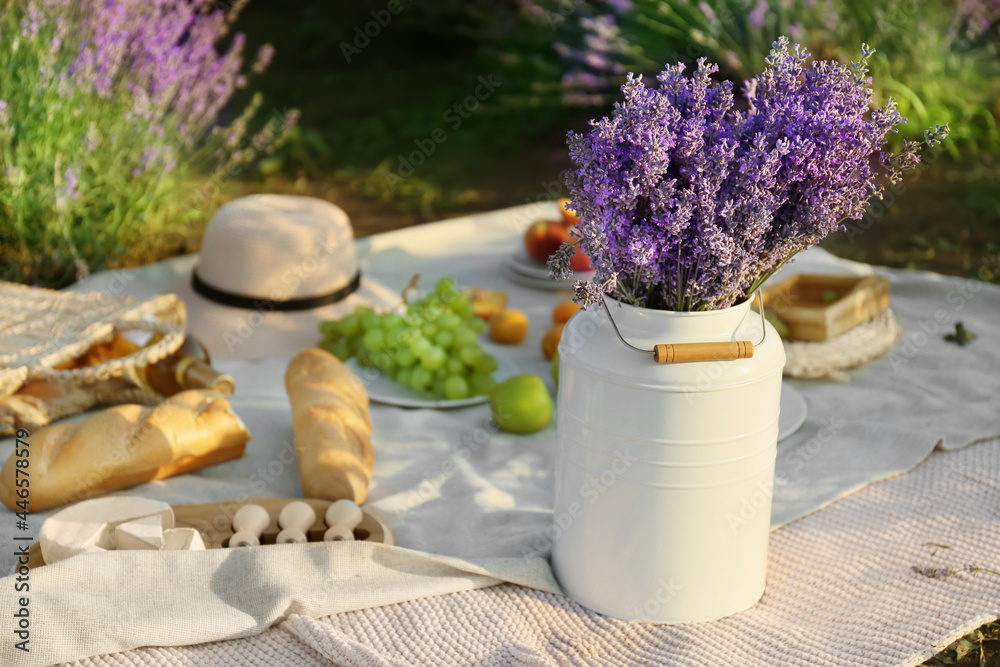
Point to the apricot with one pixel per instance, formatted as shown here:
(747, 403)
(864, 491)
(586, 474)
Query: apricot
(568, 214)
(563, 311)
(550, 343)
(509, 327)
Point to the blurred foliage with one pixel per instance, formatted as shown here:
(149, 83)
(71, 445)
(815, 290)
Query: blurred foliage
(369, 92)
(411, 195)
(926, 63)
(925, 58)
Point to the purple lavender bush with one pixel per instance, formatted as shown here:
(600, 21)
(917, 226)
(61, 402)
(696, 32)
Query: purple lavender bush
(981, 16)
(939, 60)
(687, 203)
(110, 142)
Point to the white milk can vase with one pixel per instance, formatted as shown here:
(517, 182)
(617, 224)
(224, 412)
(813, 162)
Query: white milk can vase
(665, 470)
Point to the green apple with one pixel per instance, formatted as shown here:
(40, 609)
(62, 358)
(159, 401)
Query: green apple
(521, 404)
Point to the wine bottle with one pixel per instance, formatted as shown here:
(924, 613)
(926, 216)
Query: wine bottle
(189, 367)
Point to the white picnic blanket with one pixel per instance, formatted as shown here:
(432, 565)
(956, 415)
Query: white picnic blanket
(840, 593)
(448, 484)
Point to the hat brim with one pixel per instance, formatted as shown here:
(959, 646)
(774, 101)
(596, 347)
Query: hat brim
(229, 332)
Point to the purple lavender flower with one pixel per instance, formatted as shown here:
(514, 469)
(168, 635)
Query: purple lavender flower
(620, 6)
(32, 21)
(71, 180)
(829, 16)
(688, 204)
(733, 60)
(264, 57)
(290, 119)
(3, 107)
(68, 189)
(707, 10)
(148, 155)
(979, 16)
(759, 13)
(946, 572)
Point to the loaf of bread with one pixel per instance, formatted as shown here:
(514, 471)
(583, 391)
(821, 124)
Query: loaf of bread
(124, 446)
(332, 427)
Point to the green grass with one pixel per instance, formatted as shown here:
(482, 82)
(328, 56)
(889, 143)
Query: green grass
(979, 648)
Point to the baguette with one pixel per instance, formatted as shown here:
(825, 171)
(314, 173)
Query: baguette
(124, 446)
(331, 425)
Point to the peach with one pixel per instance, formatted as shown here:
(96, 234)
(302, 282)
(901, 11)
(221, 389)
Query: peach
(542, 239)
(579, 261)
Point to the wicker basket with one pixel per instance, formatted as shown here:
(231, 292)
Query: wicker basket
(42, 328)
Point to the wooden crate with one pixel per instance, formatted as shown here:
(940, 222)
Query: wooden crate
(214, 522)
(801, 302)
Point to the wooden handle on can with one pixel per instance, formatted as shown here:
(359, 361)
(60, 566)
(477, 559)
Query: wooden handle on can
(671, 353)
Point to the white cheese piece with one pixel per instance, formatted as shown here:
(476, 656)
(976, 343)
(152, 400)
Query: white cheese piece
(144, 533)
(182, 539)
(60, 540)
(92, 523)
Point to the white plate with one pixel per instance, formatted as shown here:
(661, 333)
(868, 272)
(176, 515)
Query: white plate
(526, 266)
(537, 283)
(389, 392)
(525, 271)
(793, 411)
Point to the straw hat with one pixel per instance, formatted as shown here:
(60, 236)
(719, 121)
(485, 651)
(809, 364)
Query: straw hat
(270, 269)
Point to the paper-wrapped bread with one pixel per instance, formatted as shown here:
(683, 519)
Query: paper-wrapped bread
(124, 446)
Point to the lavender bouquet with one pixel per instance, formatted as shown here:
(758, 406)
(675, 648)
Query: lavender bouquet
(687, 203)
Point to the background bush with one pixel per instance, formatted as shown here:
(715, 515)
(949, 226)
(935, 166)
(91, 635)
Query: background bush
(109, 142)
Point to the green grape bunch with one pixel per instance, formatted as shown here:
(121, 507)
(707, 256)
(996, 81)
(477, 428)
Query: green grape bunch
(433, 348)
